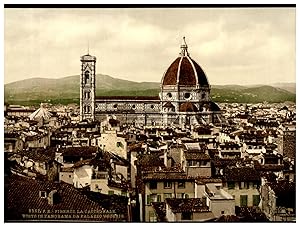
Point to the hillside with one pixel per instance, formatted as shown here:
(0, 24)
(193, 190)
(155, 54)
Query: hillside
(291, 87)
(66, 90)
(70, 85)
(253, 95)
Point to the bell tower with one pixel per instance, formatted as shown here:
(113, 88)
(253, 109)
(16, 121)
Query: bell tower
(87, 87)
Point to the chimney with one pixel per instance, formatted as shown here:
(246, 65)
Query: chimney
(204, 200)
(53, 197)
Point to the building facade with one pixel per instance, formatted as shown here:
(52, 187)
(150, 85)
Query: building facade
(184, 97)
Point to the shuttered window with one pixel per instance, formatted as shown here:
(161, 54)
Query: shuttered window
(256, 200)
(244, 200)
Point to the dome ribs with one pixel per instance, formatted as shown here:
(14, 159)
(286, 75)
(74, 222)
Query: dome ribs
(186, 69)
(170, 77)
(186, 74)
(202, 79)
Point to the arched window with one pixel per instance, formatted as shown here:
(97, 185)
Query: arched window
(87, 95)
(87, 77)
(87, 109)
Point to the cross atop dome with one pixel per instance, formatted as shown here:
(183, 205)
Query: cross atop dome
(184, 48)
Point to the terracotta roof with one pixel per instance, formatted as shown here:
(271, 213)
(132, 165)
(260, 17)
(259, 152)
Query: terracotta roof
(269, 176)
(136, 146)
(82, 163)
(149, 161)
(110, 202)
(241, 174)
(187, 107)
(283, 187)
(20, 201)
(223, 162)
(269, 167)
(78, 151)
(196, 156)
(39, 154)
(118, 160)
(122, 185)
(250, 214)
(187, 205)
(205, 180)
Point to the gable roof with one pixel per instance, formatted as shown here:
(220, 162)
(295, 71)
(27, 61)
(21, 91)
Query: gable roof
(20, 201)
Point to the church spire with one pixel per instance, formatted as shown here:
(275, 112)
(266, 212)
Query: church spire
(88, 48)
(184, 48)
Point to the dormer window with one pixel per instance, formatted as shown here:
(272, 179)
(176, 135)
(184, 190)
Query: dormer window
(43, 194)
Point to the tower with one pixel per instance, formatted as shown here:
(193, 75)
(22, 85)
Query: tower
(87, 87)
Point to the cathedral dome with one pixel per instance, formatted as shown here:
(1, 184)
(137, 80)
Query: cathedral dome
(184, 71)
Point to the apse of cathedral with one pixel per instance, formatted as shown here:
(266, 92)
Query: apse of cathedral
(184, 98)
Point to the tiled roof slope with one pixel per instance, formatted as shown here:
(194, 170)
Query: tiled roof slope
(241, 174)
(23, 194)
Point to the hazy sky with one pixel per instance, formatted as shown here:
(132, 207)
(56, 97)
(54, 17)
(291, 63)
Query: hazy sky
(232, 45)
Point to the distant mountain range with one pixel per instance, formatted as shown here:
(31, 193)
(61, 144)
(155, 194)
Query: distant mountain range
(66, 90)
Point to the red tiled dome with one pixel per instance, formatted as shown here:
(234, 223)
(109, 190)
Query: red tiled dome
(185, 71)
